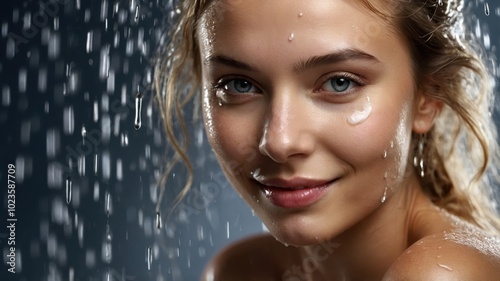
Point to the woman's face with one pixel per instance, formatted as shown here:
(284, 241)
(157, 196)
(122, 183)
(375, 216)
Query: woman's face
(309, 107)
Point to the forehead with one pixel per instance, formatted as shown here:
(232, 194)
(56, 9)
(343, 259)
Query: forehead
(295, 27)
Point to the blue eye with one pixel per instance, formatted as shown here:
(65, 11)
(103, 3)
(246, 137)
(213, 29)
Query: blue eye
(240, 86)
(338, 84)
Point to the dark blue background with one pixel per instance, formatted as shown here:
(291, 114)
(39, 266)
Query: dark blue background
(47, 227)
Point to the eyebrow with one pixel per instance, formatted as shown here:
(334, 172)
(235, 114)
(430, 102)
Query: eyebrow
(332, 58)
(227, 61)
(303, 65)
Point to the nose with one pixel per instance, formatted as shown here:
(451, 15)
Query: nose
(287, 131)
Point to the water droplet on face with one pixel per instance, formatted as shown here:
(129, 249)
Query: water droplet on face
(385, 154)
(301, 14)
(384, 196)
(138, 109)
(69, 190)
(291, 37)
(486, 9)
(360, 116)
(445, 267)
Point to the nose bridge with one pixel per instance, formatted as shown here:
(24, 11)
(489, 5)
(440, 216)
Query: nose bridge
(284, 127)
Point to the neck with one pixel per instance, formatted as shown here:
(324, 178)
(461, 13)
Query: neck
(375, 242)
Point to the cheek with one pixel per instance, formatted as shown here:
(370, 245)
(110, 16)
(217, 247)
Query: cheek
(380, 144)
(231, 135)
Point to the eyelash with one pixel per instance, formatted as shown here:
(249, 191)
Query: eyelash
(351, 77)
(222, 83)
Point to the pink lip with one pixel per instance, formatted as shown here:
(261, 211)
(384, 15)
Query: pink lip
(294, 193)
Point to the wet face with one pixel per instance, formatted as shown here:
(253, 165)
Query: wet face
(309, 107)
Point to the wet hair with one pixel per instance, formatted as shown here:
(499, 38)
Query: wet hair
(460, 152)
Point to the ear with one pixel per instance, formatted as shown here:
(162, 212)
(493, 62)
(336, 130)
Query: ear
(428, 108)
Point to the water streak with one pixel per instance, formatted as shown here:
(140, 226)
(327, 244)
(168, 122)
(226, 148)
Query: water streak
(138, 111)
(149, 258)
(69, 190)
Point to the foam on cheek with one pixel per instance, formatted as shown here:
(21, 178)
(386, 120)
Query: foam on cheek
(359, 116)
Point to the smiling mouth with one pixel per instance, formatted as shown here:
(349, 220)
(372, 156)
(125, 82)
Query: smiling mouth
(298, 193)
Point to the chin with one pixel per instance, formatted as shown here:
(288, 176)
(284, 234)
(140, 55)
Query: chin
(298, 233)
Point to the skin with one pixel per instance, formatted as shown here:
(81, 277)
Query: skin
(268, 114)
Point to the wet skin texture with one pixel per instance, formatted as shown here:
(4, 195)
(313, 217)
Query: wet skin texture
(277, 111)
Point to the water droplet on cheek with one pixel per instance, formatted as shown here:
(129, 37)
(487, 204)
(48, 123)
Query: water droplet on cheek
(291, 37)
(384, 196)
(359, 116)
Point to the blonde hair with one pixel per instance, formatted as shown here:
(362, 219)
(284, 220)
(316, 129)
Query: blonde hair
(460, 151)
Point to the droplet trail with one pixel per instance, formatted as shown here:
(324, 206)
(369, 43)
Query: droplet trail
(69, 190)
(138, 110)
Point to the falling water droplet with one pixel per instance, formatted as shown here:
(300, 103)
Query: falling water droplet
(109, 235)
(69, 190)
(150, 258)
(138, 109)
(69, 120)
(486, 9)
(5, 95)
(90, 41)
(81, 165)
(440, 2)
(84, 134)
(96, 163)
(158, 220)
(71, 274)
(96, 191)
(137, 10)
(290, 37)
(227, 230)
(107, 204)
(96, 111)
(80, 233)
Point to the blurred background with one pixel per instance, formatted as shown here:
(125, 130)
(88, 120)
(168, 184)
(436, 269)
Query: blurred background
(79, 125)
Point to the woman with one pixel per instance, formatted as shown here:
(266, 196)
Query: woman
(358, 131)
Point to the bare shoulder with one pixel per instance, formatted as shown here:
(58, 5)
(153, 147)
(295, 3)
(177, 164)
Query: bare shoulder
(258, 257)
(462, 254)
